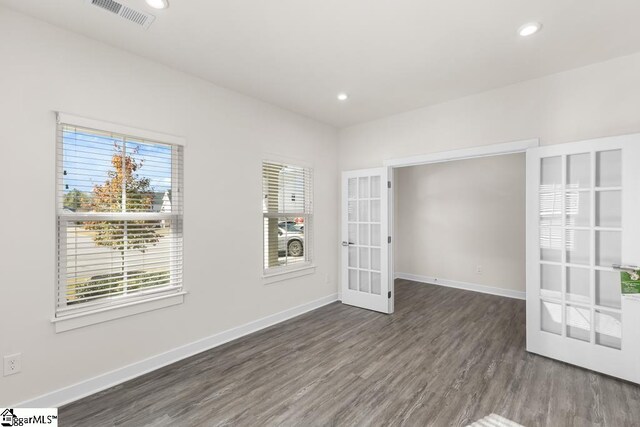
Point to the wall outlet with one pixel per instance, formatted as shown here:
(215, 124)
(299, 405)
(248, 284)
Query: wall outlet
(12, 364)
(479, 269)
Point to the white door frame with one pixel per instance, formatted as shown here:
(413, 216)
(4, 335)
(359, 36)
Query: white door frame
(441, 157)
(465, 153)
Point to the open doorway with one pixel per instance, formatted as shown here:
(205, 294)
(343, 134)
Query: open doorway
(358, 224)
(461, 224)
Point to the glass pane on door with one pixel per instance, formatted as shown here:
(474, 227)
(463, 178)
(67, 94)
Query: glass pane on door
(578, 285)
(609, 329)
(579, 171)
(364, 225)
(608, 248)
(550, 281)
(551, 317)
(608, 289)
(580, 237)
(578, 322)
(609, 209)
(577, 246)
(578, 208)
(608, 169)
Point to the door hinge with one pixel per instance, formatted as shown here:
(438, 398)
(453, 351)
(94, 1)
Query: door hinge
(389, 239)
(389, 294)
(388, 184)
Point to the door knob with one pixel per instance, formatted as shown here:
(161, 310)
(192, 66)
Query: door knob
(632, 270)
(629, 268)
(346, 243)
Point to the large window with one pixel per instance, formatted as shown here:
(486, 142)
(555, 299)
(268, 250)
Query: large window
(119, 219)
(287, 216)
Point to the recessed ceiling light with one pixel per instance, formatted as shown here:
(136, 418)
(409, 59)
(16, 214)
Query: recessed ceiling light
(343, 96)
(158, 4)
(529, 29)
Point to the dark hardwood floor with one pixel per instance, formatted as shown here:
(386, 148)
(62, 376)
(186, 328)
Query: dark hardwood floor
(446, 358)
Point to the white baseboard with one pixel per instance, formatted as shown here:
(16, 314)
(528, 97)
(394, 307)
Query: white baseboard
(93, 385)
(463, 285)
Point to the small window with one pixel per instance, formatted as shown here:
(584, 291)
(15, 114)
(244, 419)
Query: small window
(119, 219)
(287, 216)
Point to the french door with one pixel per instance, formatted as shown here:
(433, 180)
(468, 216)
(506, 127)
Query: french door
(366, 243)
(583, 226)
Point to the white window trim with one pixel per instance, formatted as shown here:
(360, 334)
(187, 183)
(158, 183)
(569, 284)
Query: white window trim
(121, 129)
(104, 314)
(159, 299)
(289, 273)
(278, 274)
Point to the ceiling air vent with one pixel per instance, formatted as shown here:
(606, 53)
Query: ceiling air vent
(143, 19)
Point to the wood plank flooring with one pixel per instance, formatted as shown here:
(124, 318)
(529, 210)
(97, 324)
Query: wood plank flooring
(447, 357)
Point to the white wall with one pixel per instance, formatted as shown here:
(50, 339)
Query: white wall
(590, 102)
(45, 69)
(453, 217)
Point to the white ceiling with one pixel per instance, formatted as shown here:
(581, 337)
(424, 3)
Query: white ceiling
(388, 55)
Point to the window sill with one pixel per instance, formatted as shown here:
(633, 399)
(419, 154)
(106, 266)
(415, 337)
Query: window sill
(288, 274)
(80, 320)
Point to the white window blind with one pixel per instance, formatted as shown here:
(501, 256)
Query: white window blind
(287, 216)
(119, 219)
